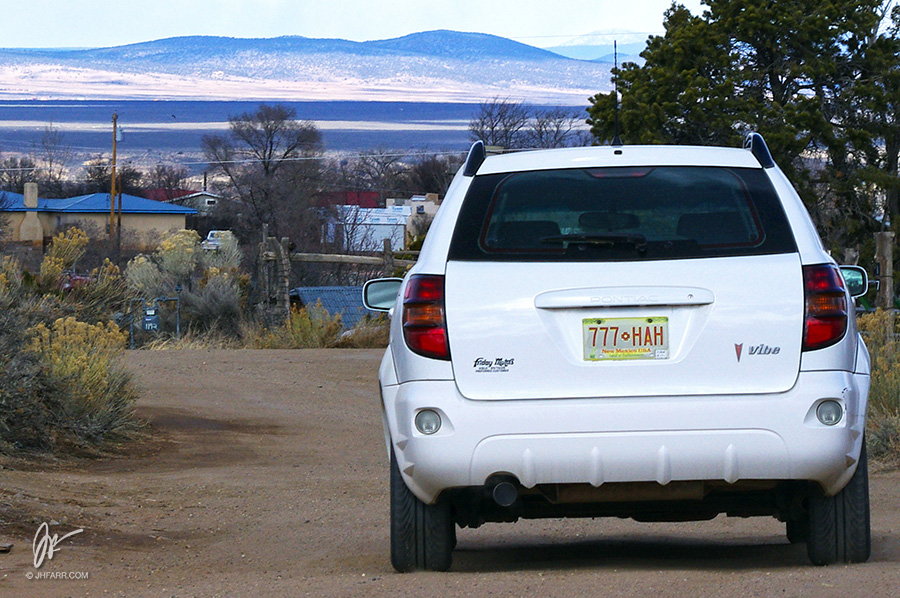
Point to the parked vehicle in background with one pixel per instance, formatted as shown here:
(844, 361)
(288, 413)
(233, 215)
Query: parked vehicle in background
(648, 332)
(214, 239)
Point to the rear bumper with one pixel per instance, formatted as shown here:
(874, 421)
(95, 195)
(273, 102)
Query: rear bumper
(604, 440)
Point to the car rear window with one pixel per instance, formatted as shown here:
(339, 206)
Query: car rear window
(621, 214)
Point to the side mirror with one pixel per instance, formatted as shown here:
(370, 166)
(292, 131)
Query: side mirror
(380, 294)
(856, 279)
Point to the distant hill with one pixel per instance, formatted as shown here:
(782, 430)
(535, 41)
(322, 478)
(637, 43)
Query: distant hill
(598, 46)
(428, 66)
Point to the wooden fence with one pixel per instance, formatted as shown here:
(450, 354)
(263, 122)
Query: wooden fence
(274, 268)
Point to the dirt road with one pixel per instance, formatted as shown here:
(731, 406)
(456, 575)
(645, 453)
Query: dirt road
(268, 477)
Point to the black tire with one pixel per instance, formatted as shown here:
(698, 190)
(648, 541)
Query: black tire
(839, 530)
(422, 536)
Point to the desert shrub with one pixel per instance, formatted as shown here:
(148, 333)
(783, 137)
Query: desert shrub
(143, 276)
(216, 304)
(227, 257)
(26, 394)
(96, 395)
(883, 433)
(306, 328)
(369, 333)
(105, 294)
(68, 247)
(212, 296)
(10, 278)
(177, 254)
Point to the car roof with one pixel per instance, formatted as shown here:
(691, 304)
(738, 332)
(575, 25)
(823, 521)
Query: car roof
(626, 155)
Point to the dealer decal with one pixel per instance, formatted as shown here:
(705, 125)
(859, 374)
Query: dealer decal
(493, 366)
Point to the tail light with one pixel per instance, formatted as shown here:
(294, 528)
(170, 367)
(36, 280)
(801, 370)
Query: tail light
(826, 306)
(424, 325)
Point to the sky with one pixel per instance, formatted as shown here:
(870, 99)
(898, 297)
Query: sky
(104, 23)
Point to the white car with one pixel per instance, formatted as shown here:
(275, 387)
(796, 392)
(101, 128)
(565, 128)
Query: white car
(632, 331)
(214, 239)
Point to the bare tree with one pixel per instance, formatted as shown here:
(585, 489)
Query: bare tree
(557, 127)
(98, 177)
(54, 156)
(15, 172)
(431, 174)
(271, 167)
(170, 179)
(499, 122)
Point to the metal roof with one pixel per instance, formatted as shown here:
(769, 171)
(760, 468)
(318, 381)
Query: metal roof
(346, 301)
(95, 203)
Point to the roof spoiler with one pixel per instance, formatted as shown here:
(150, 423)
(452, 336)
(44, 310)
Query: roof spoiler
(476, 157)
(757, 146)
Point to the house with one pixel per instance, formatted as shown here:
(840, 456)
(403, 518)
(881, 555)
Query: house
(31, 219)
(346, 301)
(422, 210)
(356, 229)
(202, 201)
(353, 228)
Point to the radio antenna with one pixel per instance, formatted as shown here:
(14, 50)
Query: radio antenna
(617, 141)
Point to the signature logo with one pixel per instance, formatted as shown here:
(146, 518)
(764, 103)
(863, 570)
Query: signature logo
(45, 545)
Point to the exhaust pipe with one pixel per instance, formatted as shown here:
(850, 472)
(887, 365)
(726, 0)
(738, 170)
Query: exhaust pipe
(505, 493)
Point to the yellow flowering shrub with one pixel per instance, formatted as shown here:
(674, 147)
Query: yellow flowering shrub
(306, 328)
(51, 271)
(68, 247)
(81, 356)
(177, 253)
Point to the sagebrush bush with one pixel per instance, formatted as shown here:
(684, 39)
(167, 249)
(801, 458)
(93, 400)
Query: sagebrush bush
(68, 247)
(879, 330)
(306, 328)
(84, 361)
(216, 303)
(213, 291)
(27, 397)
(228, 256)
(177, 254)
(369, 333)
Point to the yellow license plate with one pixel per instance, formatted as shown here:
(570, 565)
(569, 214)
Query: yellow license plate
(625, 338)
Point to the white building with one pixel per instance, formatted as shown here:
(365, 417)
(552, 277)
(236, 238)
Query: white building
(359, 229)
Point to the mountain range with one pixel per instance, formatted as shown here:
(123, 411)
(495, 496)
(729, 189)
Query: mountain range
(439, 66)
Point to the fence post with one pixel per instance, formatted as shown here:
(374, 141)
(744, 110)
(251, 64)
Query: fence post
(884, 259)
(388, 257)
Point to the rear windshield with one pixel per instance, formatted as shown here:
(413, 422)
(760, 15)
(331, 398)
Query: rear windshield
(621, 214)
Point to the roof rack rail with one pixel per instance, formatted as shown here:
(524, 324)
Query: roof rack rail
(475, 158)
(757, 145)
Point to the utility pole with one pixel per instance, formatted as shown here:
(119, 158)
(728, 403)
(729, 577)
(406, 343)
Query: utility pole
(112, 192)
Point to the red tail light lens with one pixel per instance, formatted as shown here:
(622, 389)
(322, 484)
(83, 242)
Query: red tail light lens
(424, 325)
(826, 307)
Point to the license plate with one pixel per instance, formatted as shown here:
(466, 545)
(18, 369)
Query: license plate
(626, 338)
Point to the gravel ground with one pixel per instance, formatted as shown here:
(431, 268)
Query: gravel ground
(266, 474)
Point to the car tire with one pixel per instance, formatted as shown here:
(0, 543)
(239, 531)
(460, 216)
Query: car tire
(839, 529)
(422, 536)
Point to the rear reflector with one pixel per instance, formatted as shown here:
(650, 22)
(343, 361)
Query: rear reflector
(424, 325)
(826, 306)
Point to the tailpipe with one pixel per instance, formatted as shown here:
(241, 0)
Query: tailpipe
(504, 490)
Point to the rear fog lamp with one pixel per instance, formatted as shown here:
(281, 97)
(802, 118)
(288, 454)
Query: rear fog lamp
(428, 422)
(829, 412)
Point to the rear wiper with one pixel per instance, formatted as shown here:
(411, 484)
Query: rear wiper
(637, 239)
